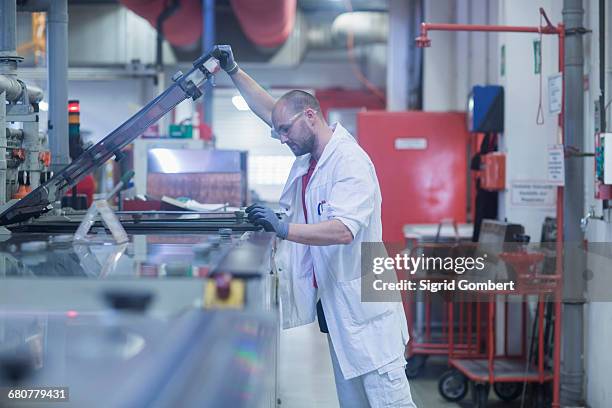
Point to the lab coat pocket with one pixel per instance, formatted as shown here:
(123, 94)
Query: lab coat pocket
(360, 312)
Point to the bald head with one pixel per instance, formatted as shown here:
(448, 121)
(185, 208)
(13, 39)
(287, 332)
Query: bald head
(298, 122)
(298, 101)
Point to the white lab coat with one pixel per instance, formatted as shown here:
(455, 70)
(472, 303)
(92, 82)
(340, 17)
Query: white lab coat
(366, 336)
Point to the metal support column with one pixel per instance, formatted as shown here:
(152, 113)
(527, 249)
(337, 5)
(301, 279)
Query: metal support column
(574, 262)
(8, 15)
(208, 40)
(397, 55)
(57, 63)
(8, 66)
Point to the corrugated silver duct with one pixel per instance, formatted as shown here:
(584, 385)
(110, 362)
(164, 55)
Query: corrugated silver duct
(367, 27)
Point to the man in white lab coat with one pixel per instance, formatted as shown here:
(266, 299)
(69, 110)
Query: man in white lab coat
(332, 202)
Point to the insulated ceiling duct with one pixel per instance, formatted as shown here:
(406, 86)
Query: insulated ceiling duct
(182, 28)
(367, 27)
(266, 23)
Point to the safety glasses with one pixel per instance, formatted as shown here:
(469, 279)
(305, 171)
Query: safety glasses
(284, 130)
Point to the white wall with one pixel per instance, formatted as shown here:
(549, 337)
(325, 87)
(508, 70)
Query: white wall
(439, 82)
(525, 142)
(456, 61)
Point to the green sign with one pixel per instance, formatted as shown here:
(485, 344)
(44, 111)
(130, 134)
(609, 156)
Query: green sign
(537, 56)
(502, 61)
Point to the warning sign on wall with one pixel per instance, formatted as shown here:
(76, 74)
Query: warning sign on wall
(556, 165)
(533, 193)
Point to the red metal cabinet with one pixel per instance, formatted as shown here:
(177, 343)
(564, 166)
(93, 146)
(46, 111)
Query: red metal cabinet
(421, 163)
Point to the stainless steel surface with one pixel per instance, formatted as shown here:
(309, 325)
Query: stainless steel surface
(118, 360)
(64, 275)
(55, 319)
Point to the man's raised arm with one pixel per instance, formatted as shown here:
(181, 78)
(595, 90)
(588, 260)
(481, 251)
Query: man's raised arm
(258, 99)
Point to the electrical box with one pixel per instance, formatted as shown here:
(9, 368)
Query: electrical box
(603, 166)
(606, 139)
(493, 171)
(486, 109)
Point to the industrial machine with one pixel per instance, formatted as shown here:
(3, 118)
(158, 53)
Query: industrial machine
(153, 319)
(24, 155)
(189, 85)
(157, 321)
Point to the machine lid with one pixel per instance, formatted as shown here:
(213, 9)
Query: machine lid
(39, 201)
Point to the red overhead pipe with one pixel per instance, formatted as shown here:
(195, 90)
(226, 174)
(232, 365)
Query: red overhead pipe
(266, 23)
(424, 41)
(182, 28)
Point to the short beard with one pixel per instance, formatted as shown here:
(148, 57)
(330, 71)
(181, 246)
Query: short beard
(309, 143)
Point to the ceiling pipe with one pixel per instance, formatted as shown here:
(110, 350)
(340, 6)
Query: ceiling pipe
(367, 27)
(182, 27)
(167, 12)
(14, 89)
(266, 23)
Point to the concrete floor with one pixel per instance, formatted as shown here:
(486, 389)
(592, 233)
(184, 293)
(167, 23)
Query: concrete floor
(306, 377)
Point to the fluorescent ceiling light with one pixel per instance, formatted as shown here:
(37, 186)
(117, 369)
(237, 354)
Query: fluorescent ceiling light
(240, 103)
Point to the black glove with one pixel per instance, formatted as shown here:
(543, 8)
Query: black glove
(226, 58)
(265, 217)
